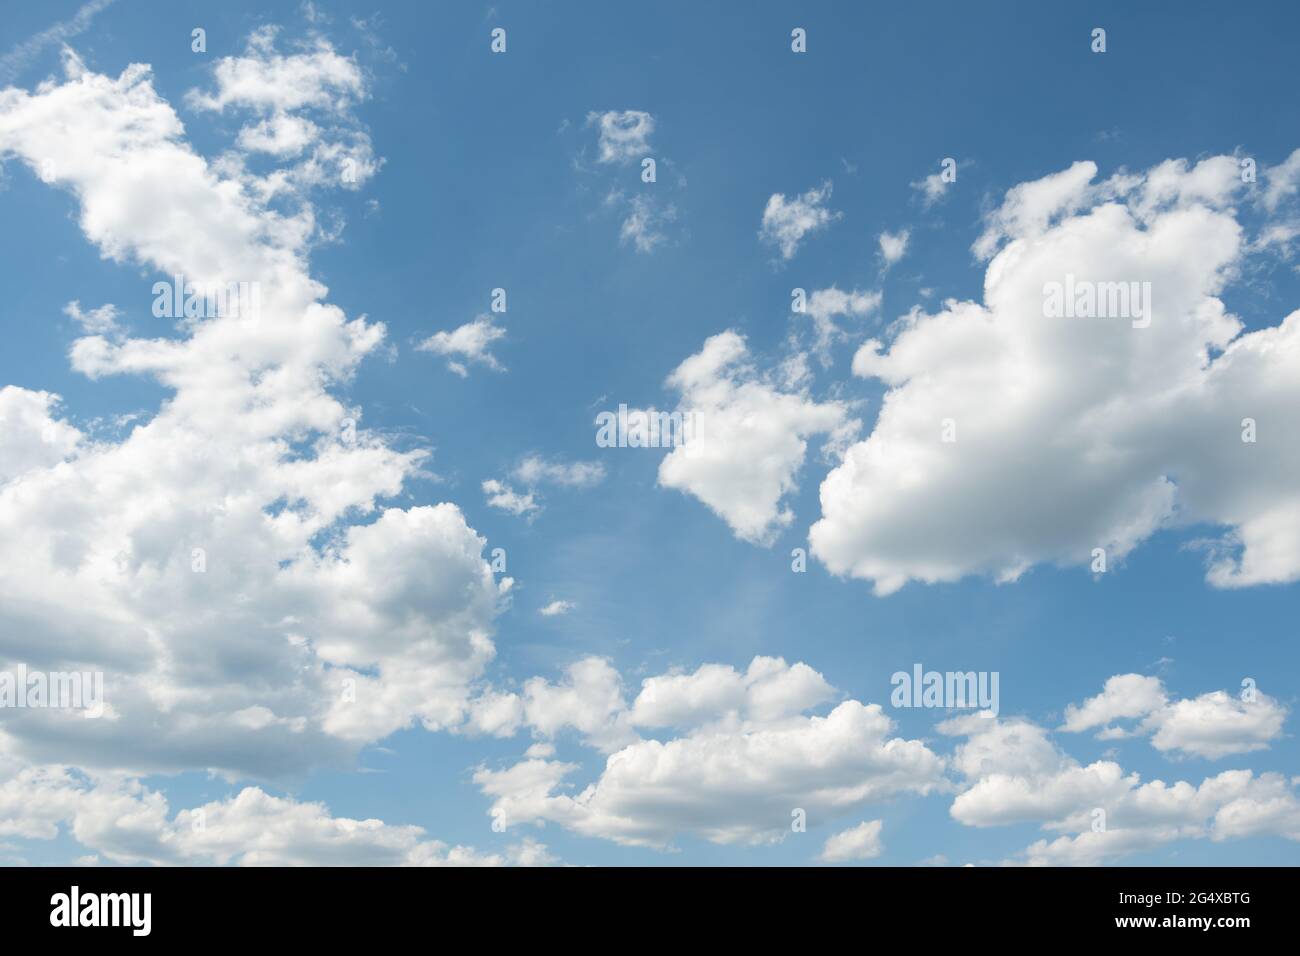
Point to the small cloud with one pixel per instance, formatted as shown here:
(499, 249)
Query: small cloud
(859, 843)
(470, 342)
(934, 188)
(643, 225)
(893, 246)
(931, 189)
(578, 474)
(97, 321)
(314, 14)
(787, 221)
(556, 608)
(624, 134)
(825, 304)
(504, 498)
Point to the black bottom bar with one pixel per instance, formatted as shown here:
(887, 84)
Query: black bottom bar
(1221, 906)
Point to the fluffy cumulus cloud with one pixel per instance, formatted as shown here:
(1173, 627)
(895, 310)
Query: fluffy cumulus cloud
(467, 344)
(234, 560)
(32, 437)
(126, 823)
(861, 842)
(278, 91)
(504, 498)
(893, 246)
(1125, 695)
(719, 695)
(556, 608)
(1014, 774)
(787, 221)
(242, 566)
(748, 437)
(1009, 437)
(1281, 181)
(1212, 725)
(748, 756)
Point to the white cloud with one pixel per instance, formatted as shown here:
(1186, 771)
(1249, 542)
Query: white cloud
(270, 82)
(1029, 208)
(279, 135)
(861, 842)
(100, 321)
(893, 246)
(624, 134)
(534, 470)
(1281, 181)
(750, 439)
(1262, 806)
(932, 188)
(1215, 725)
(1212, 725)
(277, 88)
(256, 829)
(503, 497)
(824, 305)
(1125, 695)
(717, 694)
(644, 225)
(1014, 774)
(17, 59)
(726, 786)
(31, 438)
(645, 218)
(748, 760)
(471, 342)
(787, 221)
(246, 474)
(1128, 425)
(128, 824)
(556, 608)
(589, 700)
(748, 757)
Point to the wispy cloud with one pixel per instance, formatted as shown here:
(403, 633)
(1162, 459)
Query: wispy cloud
(17, 59)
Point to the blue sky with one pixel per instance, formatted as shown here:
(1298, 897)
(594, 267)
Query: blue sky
(484, 171)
